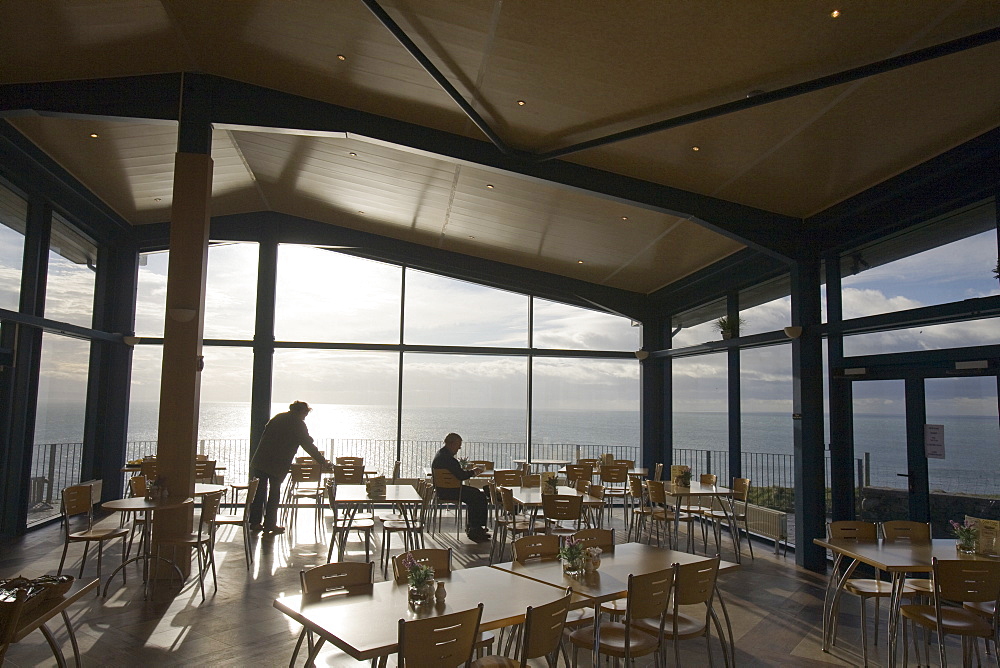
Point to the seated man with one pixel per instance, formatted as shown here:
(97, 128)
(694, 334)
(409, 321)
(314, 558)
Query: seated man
(474, 499)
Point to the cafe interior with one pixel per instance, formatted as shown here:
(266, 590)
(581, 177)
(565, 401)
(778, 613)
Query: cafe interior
(669, 164)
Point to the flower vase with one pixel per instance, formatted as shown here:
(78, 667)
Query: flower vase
(421, 594)
(966, 545)
(574, 567)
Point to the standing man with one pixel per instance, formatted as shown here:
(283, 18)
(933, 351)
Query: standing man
(282, 436)
(474, 499)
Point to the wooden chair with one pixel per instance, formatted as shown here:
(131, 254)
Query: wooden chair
(863, 588)
(444, 479)
(648, 596)
(626, 462)
(342, 525)
(304, 483)
(531, 480)
(484, 464)
(693, 584)
(662, 514)
(602, 538)
(576, 472)
(559, 508)
(412, 530)
(439, 642)
(614, 478)
(511, 523)
(912, 532)
(242, 520)
(201, 541)
(538, 546)
(541, 637)
(507, 478)
(149, 469)
(658, 471)
(346, 578)
(638, 500)
(737, 514)
(349, 474)
(959, 581)
(137, 488)
(438, 558)
(76, 501)
(350, 461)
(594, 514)
(204, 470)
(589, 461)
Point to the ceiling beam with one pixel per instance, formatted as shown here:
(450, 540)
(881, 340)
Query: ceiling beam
(156, 98)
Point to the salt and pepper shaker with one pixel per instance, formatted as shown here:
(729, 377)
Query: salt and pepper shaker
(440, 593)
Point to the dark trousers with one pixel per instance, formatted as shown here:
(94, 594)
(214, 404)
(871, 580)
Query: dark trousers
(268, 488)
(475, 504)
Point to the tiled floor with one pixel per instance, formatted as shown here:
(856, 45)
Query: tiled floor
(775, 607)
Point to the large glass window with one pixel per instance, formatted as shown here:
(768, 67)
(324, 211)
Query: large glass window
(231, 291)
(483, 398)
(13, 213)
(144, 401)
(224, 411)
(327, 296)
(566, 327)
(151, 299)
(69, 292)
(984, 332)
(766, 423)
(701, 411)
(59, 423)
(584, 408)
(768, 317)
(447, 312)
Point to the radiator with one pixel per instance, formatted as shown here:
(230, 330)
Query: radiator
(767, 522)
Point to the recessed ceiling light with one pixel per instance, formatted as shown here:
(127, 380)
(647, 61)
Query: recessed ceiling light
(353, 154)
(341, 56)
(695, 148)
(579, 261)
(157, 199)
(835, 13)
(521, 103)
(490, 186)
(471, 237)
(361, 212)
(624, 217)
(94, 135)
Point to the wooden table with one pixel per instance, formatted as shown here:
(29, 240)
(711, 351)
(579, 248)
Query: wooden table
(137, 504)
(698, 490)
(610, 582)
(363, 624)
(354, 496)
(531, 497)
(203, 488)
(597, 470)
(895, 557)
(37, 619)
(547, 464)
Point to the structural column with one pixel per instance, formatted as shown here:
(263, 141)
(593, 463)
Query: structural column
(733, 393)
(807, 418)
(842, 491)
(655, 404)
(263, 338)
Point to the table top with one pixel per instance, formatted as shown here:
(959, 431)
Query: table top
(597, 469)
(532, 496)
(347, 621)
(393, 494)
(696, 489)
(140, 504)
(898, 556)
(202, 488)
(50, 609)
(610, 581)
(543, 462)
(135, 468)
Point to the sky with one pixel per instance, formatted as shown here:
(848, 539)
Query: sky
(329, 296)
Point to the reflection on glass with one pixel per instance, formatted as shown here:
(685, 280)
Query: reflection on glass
(483, 398)
(769, 317)
(69, 291)
(151, 294)
(448, 312)
(13, 213)
(59, 423)
(984, 332)
(585, 408)
(701, 412)
(766, 400)
(231, 291)
(565, 327)
(327, 296)
(696, 335)
(353, 396)
(880, 433)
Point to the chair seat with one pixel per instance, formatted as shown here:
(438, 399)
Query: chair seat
(613, 637)
(493, 661)
(189, 539)
(580, 617)
(99, 534)
(687, 626)
(953, 620)
(355, 525)
(401, 525)
(229, 519)
(984, 609)
(869, 588)
(921, 585)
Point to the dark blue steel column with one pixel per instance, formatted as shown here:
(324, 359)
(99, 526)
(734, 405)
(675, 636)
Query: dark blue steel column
(655, 409)
(733, 393)
(263, 338)
(842, 490)
(916, 457)
(807, 418)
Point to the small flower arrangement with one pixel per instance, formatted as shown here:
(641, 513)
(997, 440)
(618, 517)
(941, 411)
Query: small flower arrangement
(464, 463)
(572, 554)
(417, 574)
(967, 534)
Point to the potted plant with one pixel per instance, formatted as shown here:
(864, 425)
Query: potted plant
(573, 557)
(420, 580)
(728, 327)
(966, 535)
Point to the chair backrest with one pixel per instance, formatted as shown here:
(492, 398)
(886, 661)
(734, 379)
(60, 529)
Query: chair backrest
(439, 642)
(582, 485)
(915, 532)
(76, 500)
(484, 464)
(630, 463)
(507, 499)
(589, 462)
(602, 538)
(209, 511)
(648, 595)
(576, 472)
(538, 546)
(853, 530)
(614, 473)
(307, 472)
(741, 489)
(349, 474)
(635, 487)
(657, 492)
(336, 577)
(445, 479)
(965, 580)
(596, 491)
(438, 558)
(395, 472)
(507, 478)
(543, 627)
(658, 471)
(562, 506)
(252, 485)
(138, 485)
(708, 479)
(531, 480)
(149, 468)
(350, 461)
(204, 469)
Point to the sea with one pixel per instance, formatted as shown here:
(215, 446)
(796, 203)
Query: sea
(972, 444)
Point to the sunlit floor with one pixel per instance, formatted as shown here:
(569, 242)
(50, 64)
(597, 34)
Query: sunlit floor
(775, 607)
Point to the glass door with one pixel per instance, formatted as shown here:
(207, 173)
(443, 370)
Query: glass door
(880, 447)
